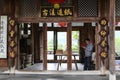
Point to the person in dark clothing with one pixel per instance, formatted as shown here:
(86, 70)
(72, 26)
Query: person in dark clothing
(88, 54)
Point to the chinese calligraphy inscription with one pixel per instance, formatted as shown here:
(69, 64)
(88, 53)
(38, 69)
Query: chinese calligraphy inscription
(52, 12)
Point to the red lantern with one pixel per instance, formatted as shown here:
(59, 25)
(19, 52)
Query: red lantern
(62, 24)
(56, 2)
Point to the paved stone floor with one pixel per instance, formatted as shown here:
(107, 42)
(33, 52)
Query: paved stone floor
(52, 77)
(53, 66)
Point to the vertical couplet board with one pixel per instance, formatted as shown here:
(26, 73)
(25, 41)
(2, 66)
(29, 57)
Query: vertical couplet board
(12, 42)
(103, 33)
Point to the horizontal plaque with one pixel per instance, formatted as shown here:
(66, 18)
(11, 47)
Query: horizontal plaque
(52, 12)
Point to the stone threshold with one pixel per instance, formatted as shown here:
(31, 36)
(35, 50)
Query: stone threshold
(95, 72)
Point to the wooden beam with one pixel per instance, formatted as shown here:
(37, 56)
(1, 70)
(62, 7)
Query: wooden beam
(57, 19)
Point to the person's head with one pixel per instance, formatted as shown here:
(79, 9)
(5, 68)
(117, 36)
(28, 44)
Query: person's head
(87, 40)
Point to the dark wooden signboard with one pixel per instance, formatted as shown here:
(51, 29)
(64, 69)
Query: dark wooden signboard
(52, 12)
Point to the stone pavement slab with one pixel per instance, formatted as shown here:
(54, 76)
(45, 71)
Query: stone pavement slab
(52, 77)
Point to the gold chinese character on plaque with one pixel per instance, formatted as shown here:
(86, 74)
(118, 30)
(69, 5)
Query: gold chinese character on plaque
(60, 12)
(12, 22)
(103, 54)
(12, 54)
(52, 12)
(103, 33)
(103, 22)
(12, 43)
(67, 12)
(103, 43)
(45, 12)
(12, 33)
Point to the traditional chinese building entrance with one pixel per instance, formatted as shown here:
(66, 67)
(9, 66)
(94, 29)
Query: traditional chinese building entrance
(26, 11)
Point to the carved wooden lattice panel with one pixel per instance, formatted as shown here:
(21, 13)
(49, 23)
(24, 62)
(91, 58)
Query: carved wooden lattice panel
(87, 8)
(28, 8)
(117, 7)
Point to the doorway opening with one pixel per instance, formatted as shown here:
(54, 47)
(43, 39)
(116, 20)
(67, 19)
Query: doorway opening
(31, 45)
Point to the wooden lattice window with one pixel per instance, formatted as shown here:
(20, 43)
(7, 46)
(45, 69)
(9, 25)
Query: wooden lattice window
(87, 8)
(117, 7)
(28, 8)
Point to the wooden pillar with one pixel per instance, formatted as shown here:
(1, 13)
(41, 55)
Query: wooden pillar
(69, 45)
(12, 39)
(97, 40)
(33, 42)
(112, 75)
(12, 44)
(102, 41)
(55, 44)
(36, 43)
(98, 59)
(44, 46)
(75, 3)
